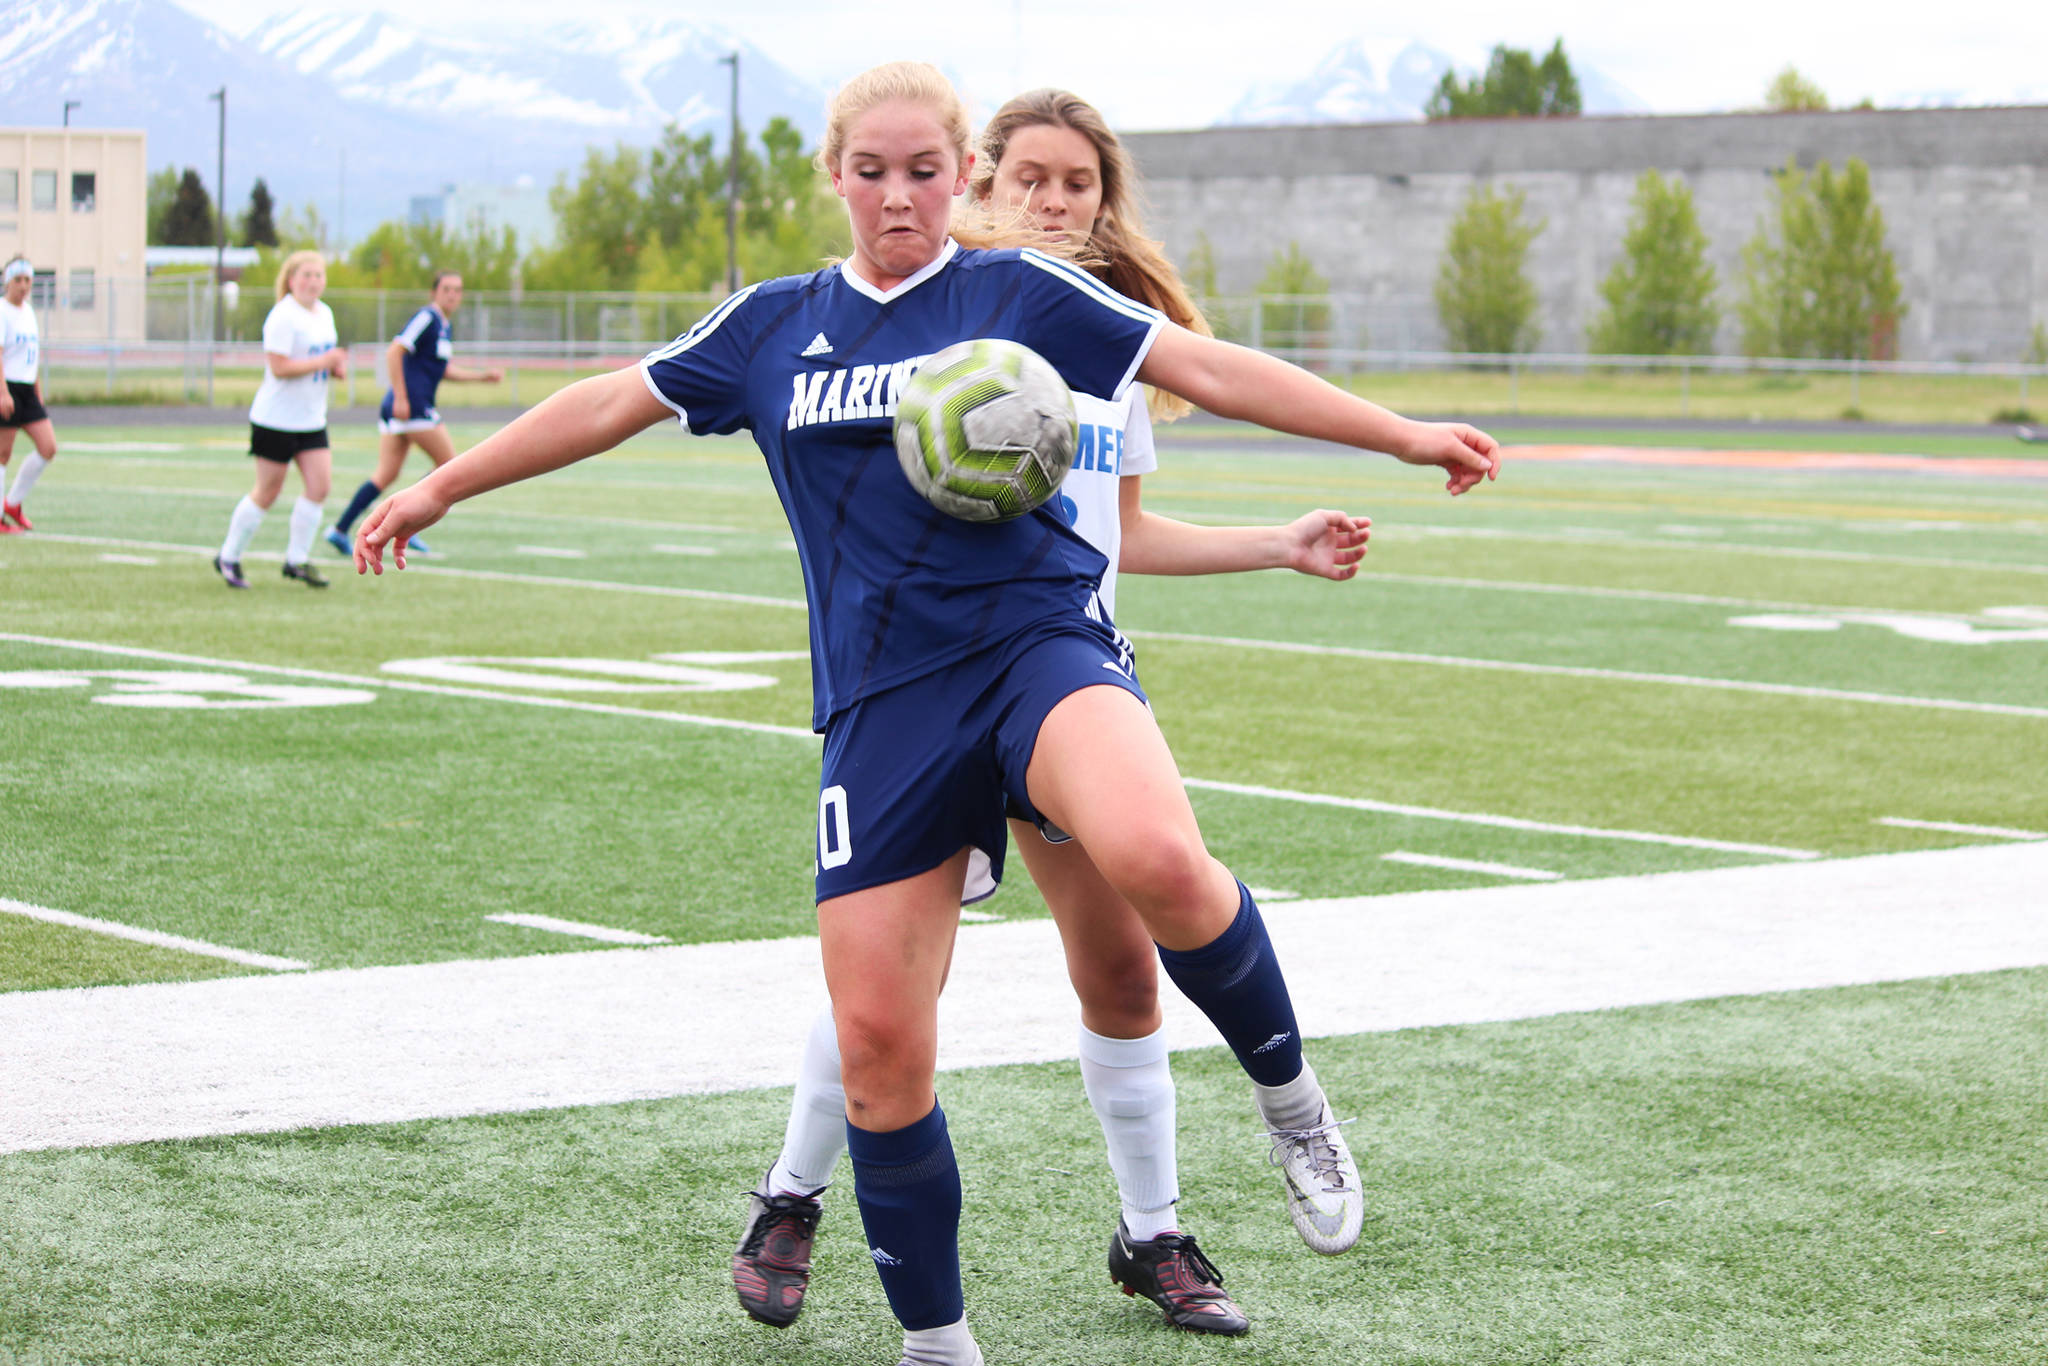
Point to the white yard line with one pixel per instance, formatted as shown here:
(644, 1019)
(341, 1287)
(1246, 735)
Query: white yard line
(397, 685)
(1996, 832)
(9, 906)
(551, 552)
(126, 1064)
(1504, 822)
(1468, 865)
(1789, 552)
(1882, 699)
(581, 929)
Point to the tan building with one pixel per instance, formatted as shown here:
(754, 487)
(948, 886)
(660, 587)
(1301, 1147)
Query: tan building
(75, 201)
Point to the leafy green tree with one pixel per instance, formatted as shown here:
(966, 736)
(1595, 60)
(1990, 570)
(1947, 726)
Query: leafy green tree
(2037, 346)
(600, 222)
(1514, 83)
(1199, 270)
(1294, 301)
(162, 193)
(406, 256)
(1818, 279)
(1791, 93)
(189, 220)
(258, 227)
(1660, 294)
(1483, 293)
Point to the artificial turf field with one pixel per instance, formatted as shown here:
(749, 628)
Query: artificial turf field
(1587, 670)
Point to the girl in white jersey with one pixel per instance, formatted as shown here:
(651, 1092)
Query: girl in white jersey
(1049, 154)
(918, 695)
(21, 400)
(288, 420)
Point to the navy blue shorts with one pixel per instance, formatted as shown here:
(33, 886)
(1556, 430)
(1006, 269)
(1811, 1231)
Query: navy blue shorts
(917, 773)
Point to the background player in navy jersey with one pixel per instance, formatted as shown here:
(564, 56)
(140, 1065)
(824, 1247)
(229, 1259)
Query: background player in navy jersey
(414, 364)
(288, 420)
(1051, 155)
(954, 665)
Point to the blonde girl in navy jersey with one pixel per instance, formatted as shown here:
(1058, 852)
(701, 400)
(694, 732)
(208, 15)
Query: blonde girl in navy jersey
(955, 666)
(288, 420)
(1050, 155)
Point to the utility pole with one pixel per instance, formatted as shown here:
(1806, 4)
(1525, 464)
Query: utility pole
(732, 183)
(220, 234)
(70, 105)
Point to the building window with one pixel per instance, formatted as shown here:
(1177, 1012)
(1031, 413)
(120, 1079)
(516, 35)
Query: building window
(81, 191)
(81, 289)
(10, 189)
(42, 289)
(43, 189)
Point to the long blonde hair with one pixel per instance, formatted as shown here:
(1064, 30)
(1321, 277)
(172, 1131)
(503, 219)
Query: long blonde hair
(1117, 251)
(290, 267)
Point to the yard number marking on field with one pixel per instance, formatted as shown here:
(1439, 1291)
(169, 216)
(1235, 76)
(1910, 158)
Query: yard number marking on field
(153, 937)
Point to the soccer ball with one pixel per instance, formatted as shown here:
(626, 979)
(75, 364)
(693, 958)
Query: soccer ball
(985, 430)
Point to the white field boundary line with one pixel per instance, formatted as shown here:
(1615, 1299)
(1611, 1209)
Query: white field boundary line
(1239, 642)
(253, 1054)
(580, 928)
(1468, 865)
(1996, 832)
(1502, 822)
(1883, 699)
(1572, 590)
(157, 938)
(398, 685)
(1791, 552)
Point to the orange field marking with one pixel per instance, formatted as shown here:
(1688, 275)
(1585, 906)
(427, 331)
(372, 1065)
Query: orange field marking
(1985, 467)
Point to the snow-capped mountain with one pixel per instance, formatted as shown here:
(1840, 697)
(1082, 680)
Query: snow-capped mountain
(356, 114)
(1378, 80)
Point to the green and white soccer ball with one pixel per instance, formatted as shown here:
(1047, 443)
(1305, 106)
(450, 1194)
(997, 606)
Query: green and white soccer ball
(985, 430)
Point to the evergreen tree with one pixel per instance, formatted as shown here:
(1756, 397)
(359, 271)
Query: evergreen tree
(258, 227)
(1515, 83)
(1660, 294)
(1818, 279)
(190, 220)
(162, 193)
(1483, 293)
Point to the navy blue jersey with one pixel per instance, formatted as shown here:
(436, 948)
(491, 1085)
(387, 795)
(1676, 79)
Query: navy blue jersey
(429, 340)
(812, 365)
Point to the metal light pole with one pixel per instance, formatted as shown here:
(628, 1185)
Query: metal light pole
(732, 183)
(220, 233)
(70, 105)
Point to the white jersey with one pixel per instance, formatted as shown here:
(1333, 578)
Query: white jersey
(298, 404)
(1115, 440)
(19, 341)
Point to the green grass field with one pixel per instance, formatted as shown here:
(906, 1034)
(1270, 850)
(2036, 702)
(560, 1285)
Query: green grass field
(1718, 662)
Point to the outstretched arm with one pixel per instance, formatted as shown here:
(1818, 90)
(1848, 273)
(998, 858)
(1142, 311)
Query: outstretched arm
(589, 416)
(1324, 543)
(1235, 381)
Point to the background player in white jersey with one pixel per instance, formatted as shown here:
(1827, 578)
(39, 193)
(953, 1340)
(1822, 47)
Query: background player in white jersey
(955, 666)
(21, 400)
(1051, 155)
(288, 420)
(415, 364)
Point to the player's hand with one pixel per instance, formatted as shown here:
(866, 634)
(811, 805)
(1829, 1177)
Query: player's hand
(394, 522)
(337, 363)
(401, 408)
(1467, 454)
(1327, 544)
(493, 375)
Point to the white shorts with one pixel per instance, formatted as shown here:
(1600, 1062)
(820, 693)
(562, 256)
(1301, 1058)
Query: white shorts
(426, 422)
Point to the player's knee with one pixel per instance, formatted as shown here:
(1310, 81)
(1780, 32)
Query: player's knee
(880, 1051)
(1120, 995)
(1159, 870)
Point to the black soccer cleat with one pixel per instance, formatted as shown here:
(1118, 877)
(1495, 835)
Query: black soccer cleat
(306, 574)
(1171, 1272)
(230, 571)
(772, 1268)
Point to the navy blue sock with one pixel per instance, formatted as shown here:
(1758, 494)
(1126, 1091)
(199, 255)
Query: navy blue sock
(908, 1187)
(1235, 980)
(366, 494)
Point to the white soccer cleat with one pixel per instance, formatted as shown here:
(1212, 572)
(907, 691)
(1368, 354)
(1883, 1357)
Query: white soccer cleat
(1324, 1197)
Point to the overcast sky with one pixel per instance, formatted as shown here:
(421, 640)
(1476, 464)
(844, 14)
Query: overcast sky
(1182, 63)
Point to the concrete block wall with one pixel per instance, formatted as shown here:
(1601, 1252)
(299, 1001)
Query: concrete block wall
(1964, 194)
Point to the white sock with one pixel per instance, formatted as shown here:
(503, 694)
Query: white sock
(31, 470)
(1130, 1087)
(952, 1345)
(241, 529)
(1297, 1104)
(816, 1135)
(305, 525)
